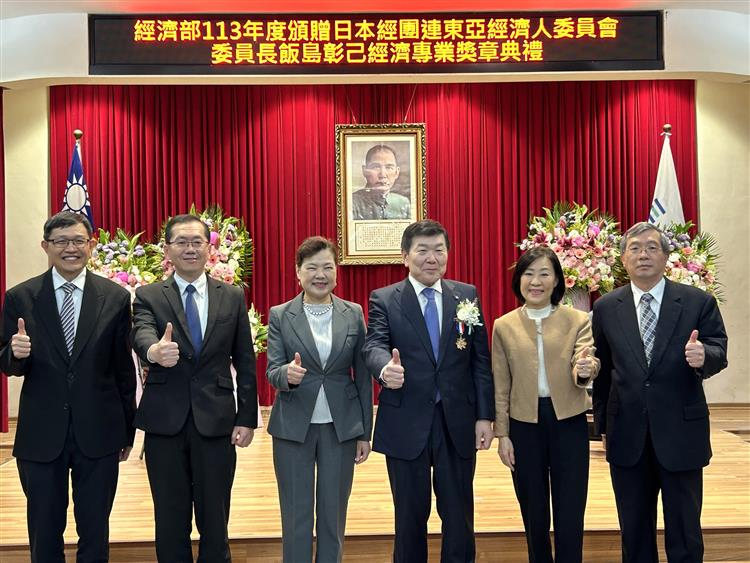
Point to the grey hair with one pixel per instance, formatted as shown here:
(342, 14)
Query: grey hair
(640, 228)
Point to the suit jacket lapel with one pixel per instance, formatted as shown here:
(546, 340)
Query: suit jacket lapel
(300, 326)
(413, 312)
(450, 301)
(47, 314)
(91, 306)
(669, 314)
(214, 292)
(172, 294)
(342, 315)
(628, 322)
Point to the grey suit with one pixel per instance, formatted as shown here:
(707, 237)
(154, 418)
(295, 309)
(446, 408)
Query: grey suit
(300, 446)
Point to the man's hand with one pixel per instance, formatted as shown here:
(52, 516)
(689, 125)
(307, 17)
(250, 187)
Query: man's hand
(484, 435)
(124, 453)
(393, 372)
(363, 451)
(20, 342)
(695, 354)
(295, 372)
(165, 352)
(507, 453)
(242, 436)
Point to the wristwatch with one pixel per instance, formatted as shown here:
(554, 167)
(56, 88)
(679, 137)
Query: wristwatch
(382, 382)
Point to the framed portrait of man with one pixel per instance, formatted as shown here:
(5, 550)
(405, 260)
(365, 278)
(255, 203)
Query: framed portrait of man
(380, 189)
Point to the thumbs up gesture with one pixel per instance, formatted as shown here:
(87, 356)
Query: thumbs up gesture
(694, 351)
(393, 372)
(295, 372)
(165, 352)
(585, 364)
(20, 342)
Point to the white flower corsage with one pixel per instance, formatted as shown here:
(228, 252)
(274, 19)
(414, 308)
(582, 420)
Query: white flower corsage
(467, 317)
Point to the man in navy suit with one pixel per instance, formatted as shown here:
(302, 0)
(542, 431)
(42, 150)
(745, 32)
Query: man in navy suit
(436, 399)
(67, 333)
(657, 341)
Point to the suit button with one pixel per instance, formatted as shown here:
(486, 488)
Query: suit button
(190, 357)
(648, 384)
(71, 376)
(65, 407)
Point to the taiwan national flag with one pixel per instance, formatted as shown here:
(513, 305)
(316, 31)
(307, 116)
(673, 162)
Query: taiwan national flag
(76, 196)
(666, 207)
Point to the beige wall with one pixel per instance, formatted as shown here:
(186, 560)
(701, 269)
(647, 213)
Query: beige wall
(723, 114)
(723, 124)
(25, 120)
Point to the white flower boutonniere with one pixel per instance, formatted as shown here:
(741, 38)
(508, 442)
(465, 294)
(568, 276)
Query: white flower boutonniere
(467, 317)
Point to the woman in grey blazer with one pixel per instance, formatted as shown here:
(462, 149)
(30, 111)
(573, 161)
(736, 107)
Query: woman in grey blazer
(542, 360)
(322, 416)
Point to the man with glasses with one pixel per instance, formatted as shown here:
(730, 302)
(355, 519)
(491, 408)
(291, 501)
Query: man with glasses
(657, 341)
(376, 200)
(190, 330)
(67, 333)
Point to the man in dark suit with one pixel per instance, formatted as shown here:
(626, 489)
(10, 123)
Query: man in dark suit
(191, 330)
(657, 341)
(67, 332)
(437, 397)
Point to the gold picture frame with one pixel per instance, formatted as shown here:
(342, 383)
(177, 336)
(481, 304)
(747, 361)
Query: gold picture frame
(380, 189)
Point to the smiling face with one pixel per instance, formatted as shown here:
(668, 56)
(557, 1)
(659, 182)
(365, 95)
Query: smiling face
(381, 170)
(537, 283)
(188, 249)
(69, 249)
(427, 258)
(644, 259)
(317, 276)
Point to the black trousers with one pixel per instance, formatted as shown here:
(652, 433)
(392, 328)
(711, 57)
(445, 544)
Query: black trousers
(187, 471)
(636, 493)
(552, 456)
(94, 482)
(452, 479)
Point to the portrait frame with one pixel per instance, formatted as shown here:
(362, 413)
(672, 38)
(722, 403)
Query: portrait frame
(369, 224)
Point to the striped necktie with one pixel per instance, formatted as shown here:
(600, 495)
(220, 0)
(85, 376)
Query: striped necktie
(648, 325)
(68, 316)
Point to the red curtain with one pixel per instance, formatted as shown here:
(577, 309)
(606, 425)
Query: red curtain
(3, 377)
(496, 153)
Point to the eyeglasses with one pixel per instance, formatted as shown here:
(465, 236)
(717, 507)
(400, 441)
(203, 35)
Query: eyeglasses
(651, 249)
(64, 242)
(183, 244)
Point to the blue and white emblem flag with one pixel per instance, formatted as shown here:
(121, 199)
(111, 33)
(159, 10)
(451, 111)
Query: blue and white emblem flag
(666, 207)
(76, 196)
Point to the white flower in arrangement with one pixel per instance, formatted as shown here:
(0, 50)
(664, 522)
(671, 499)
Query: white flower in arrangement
(467, 317)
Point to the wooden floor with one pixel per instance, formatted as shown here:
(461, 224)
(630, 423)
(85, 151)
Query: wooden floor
(255, 525)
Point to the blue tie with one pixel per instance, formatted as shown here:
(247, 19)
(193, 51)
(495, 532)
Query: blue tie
(431, 320)
(193, 320)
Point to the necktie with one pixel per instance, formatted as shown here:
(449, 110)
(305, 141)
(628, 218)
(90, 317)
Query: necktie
(68, 316)
(648, 325)
(193, 320)
(431, 320)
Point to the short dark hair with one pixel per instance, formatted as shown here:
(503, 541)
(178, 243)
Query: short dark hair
(639, 229)
(528, 258)
(379, 148)
(182, 220)
(423, 228)
(66, 219)
(311, 246)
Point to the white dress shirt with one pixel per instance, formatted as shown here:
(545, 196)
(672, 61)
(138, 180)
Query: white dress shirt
(79, 281)
(200, 297)
(657, 292)
(418, 287)
(537, 315)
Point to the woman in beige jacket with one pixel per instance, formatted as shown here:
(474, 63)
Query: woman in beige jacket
(542, 360)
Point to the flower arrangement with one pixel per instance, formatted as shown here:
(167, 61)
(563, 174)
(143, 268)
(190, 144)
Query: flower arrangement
(123, 259)
(585, 242)
(258, 331)
(692, 261)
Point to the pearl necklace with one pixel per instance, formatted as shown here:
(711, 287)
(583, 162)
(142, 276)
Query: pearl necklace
(318, 309)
